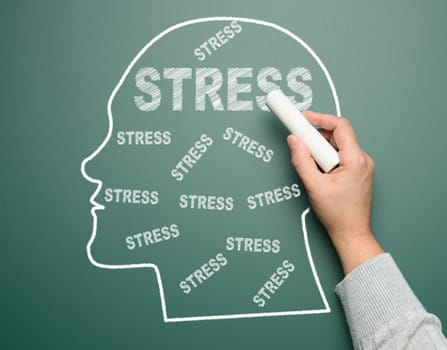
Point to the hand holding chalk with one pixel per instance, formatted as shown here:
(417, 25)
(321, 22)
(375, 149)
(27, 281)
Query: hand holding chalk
(323, 153)
(342, 198)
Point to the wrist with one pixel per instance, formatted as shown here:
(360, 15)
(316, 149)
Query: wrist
(356, 248)
(350, 236)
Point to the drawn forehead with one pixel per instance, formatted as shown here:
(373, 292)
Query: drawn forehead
(227, 42)
(224, 42)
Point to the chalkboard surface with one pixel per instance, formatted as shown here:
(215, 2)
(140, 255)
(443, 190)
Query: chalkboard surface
(148, 196)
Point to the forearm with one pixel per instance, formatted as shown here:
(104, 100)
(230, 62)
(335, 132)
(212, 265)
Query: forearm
(382, 311)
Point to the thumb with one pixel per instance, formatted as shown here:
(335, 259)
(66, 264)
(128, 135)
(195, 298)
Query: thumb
(302, 160)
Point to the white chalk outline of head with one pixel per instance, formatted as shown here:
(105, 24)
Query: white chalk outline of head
(97, 206)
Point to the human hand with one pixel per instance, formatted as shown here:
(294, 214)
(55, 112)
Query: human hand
(341, 198)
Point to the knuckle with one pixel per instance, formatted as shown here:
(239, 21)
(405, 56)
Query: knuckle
(343, 121)
(366, 163)
(368, 159)
(372, 163)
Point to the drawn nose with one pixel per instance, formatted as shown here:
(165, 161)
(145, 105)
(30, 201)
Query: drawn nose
(91, 174)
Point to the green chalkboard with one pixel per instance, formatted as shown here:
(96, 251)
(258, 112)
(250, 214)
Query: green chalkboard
(148, 198)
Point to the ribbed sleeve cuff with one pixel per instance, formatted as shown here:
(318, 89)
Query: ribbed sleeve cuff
(374, 294)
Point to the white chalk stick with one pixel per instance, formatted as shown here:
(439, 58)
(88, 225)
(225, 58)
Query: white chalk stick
(322, 151)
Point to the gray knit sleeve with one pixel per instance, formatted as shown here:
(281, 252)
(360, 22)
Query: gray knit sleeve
(382, 311)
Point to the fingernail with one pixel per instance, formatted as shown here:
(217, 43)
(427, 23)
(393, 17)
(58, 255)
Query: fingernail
(292, 142)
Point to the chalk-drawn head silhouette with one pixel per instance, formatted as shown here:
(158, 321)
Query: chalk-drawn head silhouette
(194, 178)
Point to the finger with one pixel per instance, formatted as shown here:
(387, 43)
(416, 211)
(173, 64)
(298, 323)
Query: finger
(302, 161)
(327, 121)
(343, 135)
(343, 132)
(328, 135)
